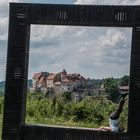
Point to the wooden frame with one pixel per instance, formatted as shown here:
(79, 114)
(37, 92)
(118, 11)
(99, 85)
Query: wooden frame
(21, 17)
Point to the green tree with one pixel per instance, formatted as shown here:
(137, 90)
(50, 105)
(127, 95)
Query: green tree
(67, 96)
(111, 87)
(89, 112)
(124, 81)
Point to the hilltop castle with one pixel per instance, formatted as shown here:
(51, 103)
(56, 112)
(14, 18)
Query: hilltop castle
(59, 82)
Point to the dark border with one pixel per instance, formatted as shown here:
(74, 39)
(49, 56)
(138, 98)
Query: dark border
(21, 17)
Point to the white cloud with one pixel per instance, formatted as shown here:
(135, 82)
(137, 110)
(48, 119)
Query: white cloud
(89, 50)
(112, 37)
(6, 2)
(3, 22)
(4, 7)
(110, 2)
(94, 52)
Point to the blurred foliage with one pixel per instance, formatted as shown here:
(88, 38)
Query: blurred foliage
(90, 112)
(124, 81)
(59, 110)
(111, 88)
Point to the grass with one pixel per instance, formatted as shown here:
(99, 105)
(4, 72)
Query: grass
(61, 122)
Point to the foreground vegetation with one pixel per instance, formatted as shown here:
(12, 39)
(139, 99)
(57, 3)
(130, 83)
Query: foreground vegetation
(91, 112)
(60, 110)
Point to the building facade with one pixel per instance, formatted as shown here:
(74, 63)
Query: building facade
(59, 83)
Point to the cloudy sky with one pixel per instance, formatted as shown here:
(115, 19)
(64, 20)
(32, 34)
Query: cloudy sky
(93, 52)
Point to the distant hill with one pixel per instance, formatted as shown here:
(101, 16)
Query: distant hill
(2, 84)
(29, 83)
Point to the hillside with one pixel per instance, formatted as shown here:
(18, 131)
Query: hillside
(2, 84)
(29, 83)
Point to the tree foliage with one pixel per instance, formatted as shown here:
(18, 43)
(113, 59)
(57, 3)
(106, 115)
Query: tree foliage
(90, 112)
(124, 81)
(111, 87)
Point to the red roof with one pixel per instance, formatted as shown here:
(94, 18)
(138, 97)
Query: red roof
(41, 79)
(67, 78)
(37, 75)
(75, 76)
(51, 77)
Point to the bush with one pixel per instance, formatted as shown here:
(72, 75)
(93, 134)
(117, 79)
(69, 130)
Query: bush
(90, 112)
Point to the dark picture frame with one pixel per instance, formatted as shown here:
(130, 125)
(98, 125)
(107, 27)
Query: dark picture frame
(22, 16)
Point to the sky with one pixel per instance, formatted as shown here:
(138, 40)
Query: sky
(93, 52)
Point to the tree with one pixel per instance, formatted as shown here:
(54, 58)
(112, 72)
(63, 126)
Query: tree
(1, 92)
(90, 112)
(124, 81)
(67, 96)
(111, 87)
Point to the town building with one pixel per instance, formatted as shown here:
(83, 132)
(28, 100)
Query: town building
(124, 89)
(58, 83)
(39, 81)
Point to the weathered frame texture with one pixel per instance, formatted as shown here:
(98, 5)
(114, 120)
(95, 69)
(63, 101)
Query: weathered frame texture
(20, 19)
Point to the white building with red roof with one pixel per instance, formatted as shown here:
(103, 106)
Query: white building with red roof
(59, 82)
(52, 78)
(69, 82)
(39, 80)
